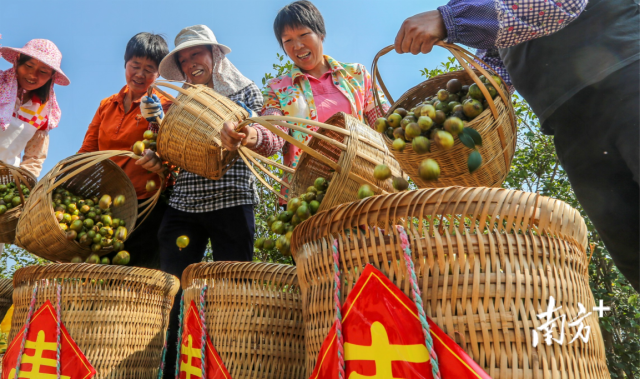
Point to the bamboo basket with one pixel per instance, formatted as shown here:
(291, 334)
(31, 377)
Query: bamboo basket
(117, 315)
(189, 135)
(496, 125)
(344, 151)
(9, 220)
(88, 175)
(6, 296)
(253, 314)
(487, 261)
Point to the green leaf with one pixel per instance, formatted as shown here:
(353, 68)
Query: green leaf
(477, 138)
(466, 140)
(474, 161)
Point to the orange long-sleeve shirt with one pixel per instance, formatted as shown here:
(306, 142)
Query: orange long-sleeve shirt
(113, 129)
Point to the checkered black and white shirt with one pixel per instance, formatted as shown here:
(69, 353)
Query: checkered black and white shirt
(195, 194)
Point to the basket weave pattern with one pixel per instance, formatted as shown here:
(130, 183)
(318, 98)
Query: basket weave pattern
(483, 257)
(496, 125)
(39, 232)
(6, 296)
(9, 220)
(498, 142)
(365, 149)
(253, 315)
(189, 136)
(117, 315)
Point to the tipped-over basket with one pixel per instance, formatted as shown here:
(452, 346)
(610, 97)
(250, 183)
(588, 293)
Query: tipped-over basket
(487, 261)
(6, 296)
(87, 175)
(9, 220)
(189, 135)
(496, 125)
(343, 150)
(253, 314)
(117, 315)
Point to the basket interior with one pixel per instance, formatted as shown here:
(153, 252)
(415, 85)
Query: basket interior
(105, 177)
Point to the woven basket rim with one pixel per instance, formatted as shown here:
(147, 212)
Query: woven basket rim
(547, 214)
(276, 272)
(149, 277)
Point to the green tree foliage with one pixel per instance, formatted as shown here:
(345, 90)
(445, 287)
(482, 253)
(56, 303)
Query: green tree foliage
(14, 258)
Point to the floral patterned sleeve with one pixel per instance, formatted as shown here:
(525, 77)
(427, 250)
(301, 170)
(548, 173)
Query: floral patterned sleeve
(268, 143)
(371, 110)
(36, 152)
(485, 24)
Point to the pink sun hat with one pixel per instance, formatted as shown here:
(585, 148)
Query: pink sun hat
(43, 50)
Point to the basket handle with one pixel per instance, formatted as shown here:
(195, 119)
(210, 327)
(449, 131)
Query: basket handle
(464, 57)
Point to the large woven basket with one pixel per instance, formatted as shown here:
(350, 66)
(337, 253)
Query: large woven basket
(88, 175)
(6, 296)
(487, 261)
(189, 135)
(344, 151)
(253, 316)
(117, 315)
(496, 125)
(9, 220)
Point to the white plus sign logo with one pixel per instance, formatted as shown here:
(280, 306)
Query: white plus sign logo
(601, 308)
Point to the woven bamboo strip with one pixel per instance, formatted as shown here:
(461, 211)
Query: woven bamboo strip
(117, 315)
(496, 125)
(253, 316)
(9, 220)
(487, 261)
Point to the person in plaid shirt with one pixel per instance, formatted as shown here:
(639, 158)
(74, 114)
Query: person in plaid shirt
(202, 209)
(577, 65)
(316, 88)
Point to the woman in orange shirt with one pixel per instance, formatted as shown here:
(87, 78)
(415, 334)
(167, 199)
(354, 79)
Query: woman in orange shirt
(118, 124)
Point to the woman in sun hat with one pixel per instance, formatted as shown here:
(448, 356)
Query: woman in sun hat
(28, 106)
(203, 209)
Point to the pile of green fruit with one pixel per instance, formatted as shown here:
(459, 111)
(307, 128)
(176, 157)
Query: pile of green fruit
(298, 209)
(89, 221)
(122, 259)
(10, 197)
(438, 120)
(148, 142)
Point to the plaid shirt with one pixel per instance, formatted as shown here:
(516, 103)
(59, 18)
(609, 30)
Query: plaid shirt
(195, 194)
(491, 24)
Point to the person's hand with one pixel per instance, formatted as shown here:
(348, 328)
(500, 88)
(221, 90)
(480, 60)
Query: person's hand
(151, 108)
(150, 161)
(232, 139)
(419, 33)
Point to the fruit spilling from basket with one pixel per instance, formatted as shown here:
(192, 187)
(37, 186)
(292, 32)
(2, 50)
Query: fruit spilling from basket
(298, 209)
(148, 142)
(10, 196)
(89, 221)
(437, 121)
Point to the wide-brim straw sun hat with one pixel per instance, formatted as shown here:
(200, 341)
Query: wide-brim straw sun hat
(191, 36)
(43, 50)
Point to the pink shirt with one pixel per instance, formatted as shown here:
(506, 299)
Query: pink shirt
(329, 100)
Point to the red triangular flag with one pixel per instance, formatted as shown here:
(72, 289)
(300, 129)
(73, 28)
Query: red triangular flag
(191, 350)
(383, 338)
(39, 356)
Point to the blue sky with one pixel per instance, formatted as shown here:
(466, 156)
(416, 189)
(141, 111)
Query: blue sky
(92, 36)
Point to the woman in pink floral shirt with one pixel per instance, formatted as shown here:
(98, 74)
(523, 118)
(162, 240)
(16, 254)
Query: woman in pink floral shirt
(315, 89)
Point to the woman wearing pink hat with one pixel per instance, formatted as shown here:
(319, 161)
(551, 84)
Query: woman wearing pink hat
(28, 106)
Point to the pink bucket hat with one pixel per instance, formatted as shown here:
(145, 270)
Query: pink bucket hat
(43, 50)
